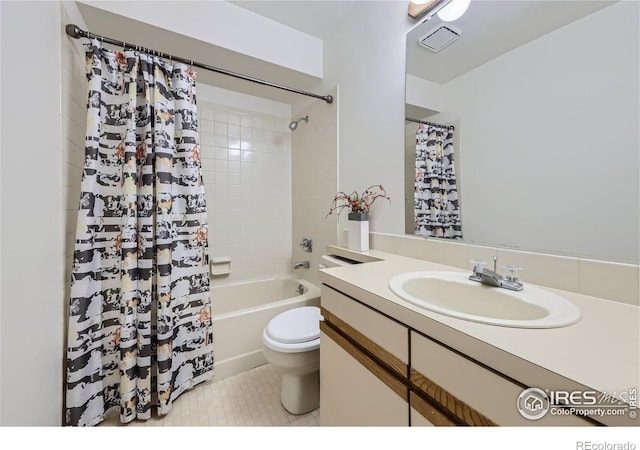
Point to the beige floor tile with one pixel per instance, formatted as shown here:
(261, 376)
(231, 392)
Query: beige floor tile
(251, 398)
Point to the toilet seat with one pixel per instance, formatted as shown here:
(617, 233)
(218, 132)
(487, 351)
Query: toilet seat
(293, 331)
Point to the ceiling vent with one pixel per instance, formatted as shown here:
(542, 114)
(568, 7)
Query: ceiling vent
(439, 37)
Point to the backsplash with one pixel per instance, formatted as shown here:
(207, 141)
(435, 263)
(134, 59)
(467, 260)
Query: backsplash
(604, 279)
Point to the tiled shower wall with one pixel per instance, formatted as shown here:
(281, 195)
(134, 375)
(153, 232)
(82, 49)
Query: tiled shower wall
(246, 160)
(315, 182)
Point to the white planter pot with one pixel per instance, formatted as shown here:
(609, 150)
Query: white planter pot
(358, 232)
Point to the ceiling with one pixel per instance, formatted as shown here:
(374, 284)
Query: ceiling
(491, 28)
(317, 18)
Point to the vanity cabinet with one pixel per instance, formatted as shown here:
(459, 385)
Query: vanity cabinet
(364, 365)
(375, 370)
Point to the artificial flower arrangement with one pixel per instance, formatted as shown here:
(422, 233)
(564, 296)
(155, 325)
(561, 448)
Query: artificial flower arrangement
(357, 203)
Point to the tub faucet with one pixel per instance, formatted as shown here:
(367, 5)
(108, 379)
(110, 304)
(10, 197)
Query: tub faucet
(301, 265)
(492, 278)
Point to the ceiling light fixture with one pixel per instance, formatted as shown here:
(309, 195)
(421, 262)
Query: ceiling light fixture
(454, 10)
(422, 8)
(447, 10)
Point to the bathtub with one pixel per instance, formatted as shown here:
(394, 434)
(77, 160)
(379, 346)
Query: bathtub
(241, 311)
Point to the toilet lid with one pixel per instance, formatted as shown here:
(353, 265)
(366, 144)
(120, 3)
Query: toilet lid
(295, 325)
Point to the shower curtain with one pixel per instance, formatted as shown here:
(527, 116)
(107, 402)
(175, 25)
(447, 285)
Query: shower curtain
(436, 206)
(139, 315)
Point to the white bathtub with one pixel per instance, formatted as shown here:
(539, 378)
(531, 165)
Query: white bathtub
(241, 312)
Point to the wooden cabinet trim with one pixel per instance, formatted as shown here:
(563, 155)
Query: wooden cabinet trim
(386, 358)
(455, 407)
(429, 412)
(370, 364)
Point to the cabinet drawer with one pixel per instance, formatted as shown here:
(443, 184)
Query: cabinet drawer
(438, 371)
(385, 338)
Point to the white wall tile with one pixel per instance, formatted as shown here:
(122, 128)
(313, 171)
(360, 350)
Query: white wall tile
(609, 280)
(249, 216)
(481, 253)
(454, 254)
(559, 272)
(385, 242)
(523, 260)
(314, 182)
(412, 247)
(432, 250)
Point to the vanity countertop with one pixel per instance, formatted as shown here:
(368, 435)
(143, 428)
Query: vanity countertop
(600, 352)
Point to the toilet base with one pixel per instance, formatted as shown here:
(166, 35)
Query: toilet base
(300, 394)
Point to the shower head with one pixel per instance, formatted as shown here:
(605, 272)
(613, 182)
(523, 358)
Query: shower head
(293, 125)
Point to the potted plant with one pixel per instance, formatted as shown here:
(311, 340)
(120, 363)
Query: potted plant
(358, 207)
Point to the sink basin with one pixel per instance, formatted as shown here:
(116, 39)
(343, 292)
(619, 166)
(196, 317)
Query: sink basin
(453, 294)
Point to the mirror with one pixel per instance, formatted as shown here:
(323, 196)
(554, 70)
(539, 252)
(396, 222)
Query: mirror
(544, 98)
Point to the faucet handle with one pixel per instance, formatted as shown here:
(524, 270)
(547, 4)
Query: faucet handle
(306, 244)
(478, 265)
(512, 272)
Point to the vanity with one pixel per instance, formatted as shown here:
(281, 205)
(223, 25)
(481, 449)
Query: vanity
(385, 361)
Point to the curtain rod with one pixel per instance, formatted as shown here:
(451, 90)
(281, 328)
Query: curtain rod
(75, 32)
(424, 122)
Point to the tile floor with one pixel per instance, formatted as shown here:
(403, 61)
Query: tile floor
(251, 398)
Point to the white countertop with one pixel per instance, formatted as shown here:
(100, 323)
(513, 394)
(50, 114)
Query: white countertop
(600, 352)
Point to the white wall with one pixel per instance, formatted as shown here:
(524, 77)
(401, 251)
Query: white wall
(31, 327)
(424, 93)
(365, 56)
(229, 26)
(550, 143)
(246, 160)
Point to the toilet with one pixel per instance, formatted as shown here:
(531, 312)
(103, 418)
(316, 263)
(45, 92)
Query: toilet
(292, 345)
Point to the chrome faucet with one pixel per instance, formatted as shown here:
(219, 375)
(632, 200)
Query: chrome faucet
(301, 265)
(306, 244)
(492, 278)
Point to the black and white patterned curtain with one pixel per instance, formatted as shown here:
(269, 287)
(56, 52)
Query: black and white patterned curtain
(436, 205)
(140, 313)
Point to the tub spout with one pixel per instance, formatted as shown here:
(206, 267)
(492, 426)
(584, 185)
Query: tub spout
(301, 265)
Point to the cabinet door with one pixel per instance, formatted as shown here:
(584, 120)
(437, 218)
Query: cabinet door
(352, 394)
(476, 395)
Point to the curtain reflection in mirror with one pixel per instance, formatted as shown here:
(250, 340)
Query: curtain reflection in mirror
(436, 203)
